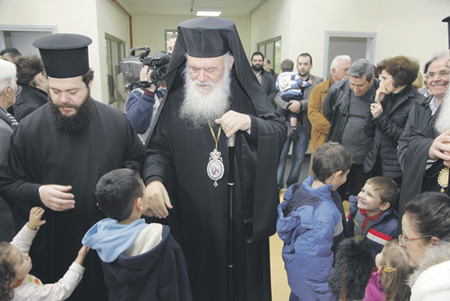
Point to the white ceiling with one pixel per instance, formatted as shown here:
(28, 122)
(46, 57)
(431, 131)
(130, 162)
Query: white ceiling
(230, 8)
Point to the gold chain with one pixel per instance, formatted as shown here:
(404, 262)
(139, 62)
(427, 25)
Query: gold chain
(214, 135)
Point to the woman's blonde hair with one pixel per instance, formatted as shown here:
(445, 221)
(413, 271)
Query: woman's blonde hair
(396, 269)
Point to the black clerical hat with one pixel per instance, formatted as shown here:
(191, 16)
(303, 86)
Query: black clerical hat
(207, 37)
(447, 20)
(64, 55)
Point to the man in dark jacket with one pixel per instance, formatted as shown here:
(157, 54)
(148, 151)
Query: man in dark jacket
(266, 79)
(304, 66)
(421, 148)
(346, 106)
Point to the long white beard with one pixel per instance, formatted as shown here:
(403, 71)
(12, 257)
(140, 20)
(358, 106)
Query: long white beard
(443, 119)
(198, 106)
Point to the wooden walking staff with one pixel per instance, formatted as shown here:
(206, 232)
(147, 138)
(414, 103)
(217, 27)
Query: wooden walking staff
(447, 20)
(230, 143)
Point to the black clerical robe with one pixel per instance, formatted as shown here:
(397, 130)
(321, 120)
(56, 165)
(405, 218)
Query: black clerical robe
(39, 154)
(178, 155)
(414, 145)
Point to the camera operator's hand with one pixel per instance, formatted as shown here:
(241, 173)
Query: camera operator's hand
(146, 72)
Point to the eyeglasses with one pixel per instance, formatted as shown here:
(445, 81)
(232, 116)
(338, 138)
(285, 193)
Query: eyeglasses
(404, 240)
(441, 73)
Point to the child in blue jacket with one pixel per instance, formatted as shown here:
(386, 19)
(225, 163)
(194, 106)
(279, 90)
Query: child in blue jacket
(311, 223)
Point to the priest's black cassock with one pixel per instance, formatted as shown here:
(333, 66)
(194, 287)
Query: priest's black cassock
(39, 154)
(178, 155)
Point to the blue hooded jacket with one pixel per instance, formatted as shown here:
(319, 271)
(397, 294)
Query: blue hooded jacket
(310, 224)
(157, 274)
(110, 239)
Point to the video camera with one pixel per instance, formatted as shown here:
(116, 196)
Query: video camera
(132, 65)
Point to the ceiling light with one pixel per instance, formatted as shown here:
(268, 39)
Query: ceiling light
(208, 12)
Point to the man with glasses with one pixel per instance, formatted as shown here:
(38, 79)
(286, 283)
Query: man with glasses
(424, 151)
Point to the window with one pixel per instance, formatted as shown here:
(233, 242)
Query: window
(272, 51)
(168, 35)
(115, 52)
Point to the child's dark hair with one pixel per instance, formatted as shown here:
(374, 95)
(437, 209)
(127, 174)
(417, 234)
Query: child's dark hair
(329, 158)
(386, 187)
(287, 65)
(116, 192)
(352, 269)
(394, 282)
(7, 273)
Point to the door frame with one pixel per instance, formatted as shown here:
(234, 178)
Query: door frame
(371, 38)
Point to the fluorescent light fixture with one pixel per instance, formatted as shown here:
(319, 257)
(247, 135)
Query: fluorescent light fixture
(208, 12)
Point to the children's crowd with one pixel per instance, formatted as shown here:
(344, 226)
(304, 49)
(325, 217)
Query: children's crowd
(329, 256)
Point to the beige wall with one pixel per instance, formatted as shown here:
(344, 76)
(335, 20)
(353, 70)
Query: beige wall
(86, 17)
(149, 30)
(407, 27)
(113, 21)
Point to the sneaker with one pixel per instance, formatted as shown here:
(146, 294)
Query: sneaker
(293, 134)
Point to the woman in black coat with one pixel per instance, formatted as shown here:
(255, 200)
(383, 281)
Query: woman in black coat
(33, 80)
(389, 112)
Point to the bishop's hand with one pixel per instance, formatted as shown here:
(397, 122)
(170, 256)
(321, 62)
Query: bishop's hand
(57, 197)
(158, 199)
(232, 122)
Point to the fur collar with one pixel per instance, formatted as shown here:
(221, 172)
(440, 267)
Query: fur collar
(433, 256)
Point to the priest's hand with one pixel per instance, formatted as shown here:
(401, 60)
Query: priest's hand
(233, 121)
(57, 197)
(440, 149)
(159, 199)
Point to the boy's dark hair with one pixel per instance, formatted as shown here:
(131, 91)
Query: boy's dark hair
(7, 273)
(329, 158)
(287, 65)
(386, 187)
(116, 192)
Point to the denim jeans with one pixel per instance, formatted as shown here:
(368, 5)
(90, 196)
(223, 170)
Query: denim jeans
(298, 153)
